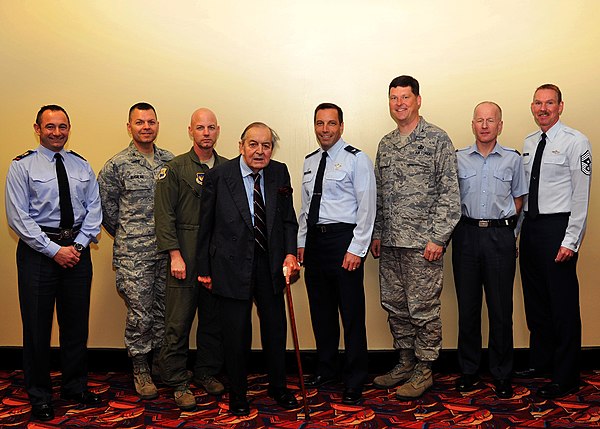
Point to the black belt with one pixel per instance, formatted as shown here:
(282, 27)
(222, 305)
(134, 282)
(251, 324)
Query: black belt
(510, 222)
(61, 234)
(331, 227)
(549, 215)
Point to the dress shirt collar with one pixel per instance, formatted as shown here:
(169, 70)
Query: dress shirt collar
(552, 132)
(496, 150)
(50, 153)
(334, 150)
(247, 171)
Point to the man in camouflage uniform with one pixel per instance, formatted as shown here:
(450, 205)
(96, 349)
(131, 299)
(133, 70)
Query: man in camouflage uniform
(177, 216)
(418, 205)
(127, 183)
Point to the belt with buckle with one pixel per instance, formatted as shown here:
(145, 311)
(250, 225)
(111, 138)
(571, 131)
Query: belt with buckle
(324, 228)
(510, 222)
(61, 234)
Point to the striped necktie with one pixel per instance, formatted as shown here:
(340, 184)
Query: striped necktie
(260, 218)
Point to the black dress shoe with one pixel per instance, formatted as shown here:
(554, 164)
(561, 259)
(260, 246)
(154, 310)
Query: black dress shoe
(283, 397)
(557, 390)
(84, 398)
(238, 405)
(43, 412)
(529, 373)
(351, 396)
(466, 382)
(503, 389)
(317, 380)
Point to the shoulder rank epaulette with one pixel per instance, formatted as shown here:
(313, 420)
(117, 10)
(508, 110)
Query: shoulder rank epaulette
(531, 134)
(512, 149)
(77, 155)
(352, 149)
(23, 155)
(311, 154)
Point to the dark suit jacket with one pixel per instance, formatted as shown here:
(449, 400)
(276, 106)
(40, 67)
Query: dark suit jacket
(226, 240)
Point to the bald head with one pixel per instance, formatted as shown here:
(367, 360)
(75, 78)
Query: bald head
(491, 105)
(204, 130)
(202, 112)
(487, 123)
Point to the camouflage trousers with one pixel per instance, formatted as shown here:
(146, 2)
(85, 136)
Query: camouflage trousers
(410, 292)
(142, 285)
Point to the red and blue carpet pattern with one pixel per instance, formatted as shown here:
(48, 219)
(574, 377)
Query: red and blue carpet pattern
(440, 407)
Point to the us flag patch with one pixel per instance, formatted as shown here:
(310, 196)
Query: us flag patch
(586, 163)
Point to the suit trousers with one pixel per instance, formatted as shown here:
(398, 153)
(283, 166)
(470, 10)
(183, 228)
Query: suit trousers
(236, 323)
(484, 257)
(42, 284)
(181, 305)
(551, 295)
(330, 289)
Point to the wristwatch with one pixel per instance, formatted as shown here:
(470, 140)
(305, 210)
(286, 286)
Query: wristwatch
(78, 247)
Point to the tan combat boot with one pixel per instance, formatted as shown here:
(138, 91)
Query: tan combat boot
(418, 383)
(398, 374)
(210, 384)
(144, 386)
(184, 398)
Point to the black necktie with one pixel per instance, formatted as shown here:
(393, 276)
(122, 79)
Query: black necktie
(64, 193)
(534, 182)
(260, 225)
(315, 202)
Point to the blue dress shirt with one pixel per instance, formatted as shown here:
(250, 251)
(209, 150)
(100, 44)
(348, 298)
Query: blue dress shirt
(32, 198)
(489, 185)
(349, 194)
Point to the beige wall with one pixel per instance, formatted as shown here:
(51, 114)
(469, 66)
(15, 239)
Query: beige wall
(274, 61)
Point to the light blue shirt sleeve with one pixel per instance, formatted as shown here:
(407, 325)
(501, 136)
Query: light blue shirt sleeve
(366, 196)
(18, 211)
(89, 211)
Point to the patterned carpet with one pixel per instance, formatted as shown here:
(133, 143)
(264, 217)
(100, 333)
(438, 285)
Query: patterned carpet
(441, 407)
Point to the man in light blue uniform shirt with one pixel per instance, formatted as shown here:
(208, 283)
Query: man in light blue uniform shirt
(492, 185)
(335, 226)
(558, 166)
(53, 205)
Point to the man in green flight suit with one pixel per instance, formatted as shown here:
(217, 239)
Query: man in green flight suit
(177, 215)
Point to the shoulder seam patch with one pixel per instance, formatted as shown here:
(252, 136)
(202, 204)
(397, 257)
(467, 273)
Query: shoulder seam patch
(23, 155)
(352, 149)
(77, 155)
(311, 154)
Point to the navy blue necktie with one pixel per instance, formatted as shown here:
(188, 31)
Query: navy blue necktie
(315, 202)
(67, 218)
(534, 182)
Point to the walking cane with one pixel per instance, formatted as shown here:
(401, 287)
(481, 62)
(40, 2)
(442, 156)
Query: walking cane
(288, 292)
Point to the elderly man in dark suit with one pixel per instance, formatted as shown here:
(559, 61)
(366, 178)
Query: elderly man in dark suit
(247, 238)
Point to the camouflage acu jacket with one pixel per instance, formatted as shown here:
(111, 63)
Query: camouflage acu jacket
(418, 198)
(127, 182)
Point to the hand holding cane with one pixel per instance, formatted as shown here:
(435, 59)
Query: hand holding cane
(288, 292)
